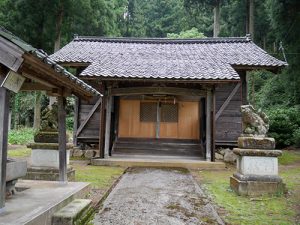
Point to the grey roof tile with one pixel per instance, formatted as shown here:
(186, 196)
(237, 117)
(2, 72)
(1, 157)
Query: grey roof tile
(200, 59)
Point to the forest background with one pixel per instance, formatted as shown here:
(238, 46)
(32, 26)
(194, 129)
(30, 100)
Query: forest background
(273, 24)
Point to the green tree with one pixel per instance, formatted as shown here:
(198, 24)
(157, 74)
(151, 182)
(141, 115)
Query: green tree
(192, 33)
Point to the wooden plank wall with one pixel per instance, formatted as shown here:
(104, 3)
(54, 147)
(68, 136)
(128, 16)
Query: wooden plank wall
(187, 126)
(91, 129)
(229, 124)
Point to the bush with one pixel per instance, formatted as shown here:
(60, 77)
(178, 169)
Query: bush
(284, 125)
(21, 136)
(296, 137)
(69, 123)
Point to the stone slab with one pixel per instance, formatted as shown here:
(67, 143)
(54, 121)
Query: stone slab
(50, 174)
(264, 178)
(48, 146)
(257, 152)
(161, 161)
(39, 201)
(256, 142)
(255, 188)
(257, 165)
(15, 169)
(73, 213)
(46, 158)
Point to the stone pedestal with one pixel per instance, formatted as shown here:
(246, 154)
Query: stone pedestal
(45, 162)
(47, 173)
(47, 154)
(257, 169)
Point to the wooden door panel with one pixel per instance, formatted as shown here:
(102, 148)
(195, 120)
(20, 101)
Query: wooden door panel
(168, 130)
(129, 121)
(188, 123)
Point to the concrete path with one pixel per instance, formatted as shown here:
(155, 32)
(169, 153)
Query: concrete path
(157, 196)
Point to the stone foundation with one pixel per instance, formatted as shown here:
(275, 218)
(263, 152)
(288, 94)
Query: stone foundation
(256, 188)
(47, 154)
(256, 143)
(257, 167)
(50, 174)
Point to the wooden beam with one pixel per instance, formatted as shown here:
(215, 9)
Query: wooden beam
(208, 125)
(107, 126)
(273, 69)
(225, 104)
(156, 90)
(158, 80)
(4, 115)
(76, 117)
(77, 65)
(102, 127)
(157, 130)
(213, 127)
(37, 79)
(27, 86)
(89, 116)
(44, 71)
(243, 76)
(62, 139)
(10, 55)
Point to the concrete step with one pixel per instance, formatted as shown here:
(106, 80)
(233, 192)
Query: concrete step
(78, 211)
(157, 147)
(161, 161)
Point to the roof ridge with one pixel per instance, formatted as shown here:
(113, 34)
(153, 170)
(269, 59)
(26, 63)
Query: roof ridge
(162, 40)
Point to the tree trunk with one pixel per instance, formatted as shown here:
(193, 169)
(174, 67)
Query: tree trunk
(250, 18)
(58, 27)
(37, 110)
(217, 19)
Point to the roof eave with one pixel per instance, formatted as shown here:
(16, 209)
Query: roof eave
(160, 79)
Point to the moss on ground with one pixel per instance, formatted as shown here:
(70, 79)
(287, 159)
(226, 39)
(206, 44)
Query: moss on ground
(259, 210)
(19, 153)
(289, 157)
(101, 177)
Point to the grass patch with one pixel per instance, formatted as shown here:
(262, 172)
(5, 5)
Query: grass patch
(21, 136)
(101, 177)
(19, 153)
(244, 210)
(289, 157)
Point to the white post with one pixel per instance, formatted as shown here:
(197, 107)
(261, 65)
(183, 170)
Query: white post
(208, 124)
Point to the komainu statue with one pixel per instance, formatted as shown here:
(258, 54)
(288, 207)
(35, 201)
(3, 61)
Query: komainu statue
(49, 119)
(255, 122)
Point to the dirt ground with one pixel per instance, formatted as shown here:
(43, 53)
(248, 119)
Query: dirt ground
(157, 196)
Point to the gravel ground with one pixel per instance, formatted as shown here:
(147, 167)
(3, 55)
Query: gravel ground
(157, 196)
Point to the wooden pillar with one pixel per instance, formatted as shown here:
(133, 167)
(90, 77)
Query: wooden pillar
(157, 128)
(243, 77)
(102, 127)
(62, 139)
(213, 127)
(208, 124)
(107, 125)
(4, 114)
(75, 124)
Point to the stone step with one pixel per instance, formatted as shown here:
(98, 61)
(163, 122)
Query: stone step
(78, 211)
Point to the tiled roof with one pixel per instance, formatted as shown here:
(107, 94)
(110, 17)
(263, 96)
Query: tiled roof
(41, 55)
(199, 59)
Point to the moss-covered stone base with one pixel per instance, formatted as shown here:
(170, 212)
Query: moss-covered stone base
(51, 174)
(77, 212)
(256, 188)
(47, 137)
